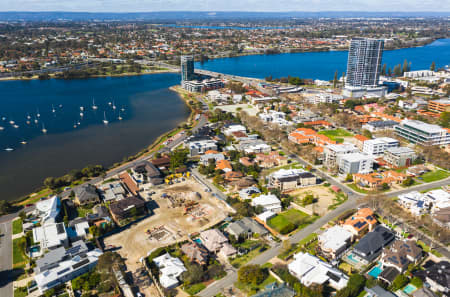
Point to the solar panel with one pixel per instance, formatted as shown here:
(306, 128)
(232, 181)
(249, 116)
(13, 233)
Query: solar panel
(60, 228)
(63, 271)
(81, 263)
(333, 276)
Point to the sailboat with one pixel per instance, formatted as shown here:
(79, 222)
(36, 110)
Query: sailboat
(8, 149)
(93, 105)
(28, 122)
(12, 122)
(81, 108)
(28, 116)
(81, 114)
(35, 120)
(2, 128)
(23, 142)
(105, 121)
(75, 125)
(3, 118)
(43, 129)
(16, 126)
(53, 109)
(120, 118)
(114, 105)
(38, 114)
(122, 109)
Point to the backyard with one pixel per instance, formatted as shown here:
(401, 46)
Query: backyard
(336, 134)
(251, 289)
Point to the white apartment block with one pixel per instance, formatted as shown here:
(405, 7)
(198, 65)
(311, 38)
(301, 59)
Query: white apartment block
(377, 146)
(332, 151)
(201, 146)
(355, 163)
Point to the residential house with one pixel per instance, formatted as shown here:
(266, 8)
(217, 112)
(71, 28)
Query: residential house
(361, 222)
(125, 208)
(195, 252)
(310, 270)
(86, 194)
(231, 176)
(112, 191)
(268, 202)
(401, 254)
(245, 228)
(375, 180)
(291, 179)
(276, 290)
(148, 172)
(162, 162)
(372, 244)
(248, 192)
(254, 146)
(270, 160)
(53, 257)
(334, 241)
(170, 269)
(130, 183)
(70, 267)
(246, 161)
(51, 236)
(437, 276)
(397, 157)
(201, 146)
(217, 243)
(378, 291)
(423, 292)
(48, 210)
(224, 165)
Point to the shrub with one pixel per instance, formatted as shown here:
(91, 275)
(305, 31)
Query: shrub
(288, 228)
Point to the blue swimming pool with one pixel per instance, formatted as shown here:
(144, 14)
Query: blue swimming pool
(376, 271)
(409, 289)
(351, 259)
(197, 240)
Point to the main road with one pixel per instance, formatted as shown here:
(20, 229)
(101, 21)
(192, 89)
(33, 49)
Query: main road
(6, 272)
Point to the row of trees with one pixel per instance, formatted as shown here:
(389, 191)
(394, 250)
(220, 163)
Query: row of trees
(74, 175)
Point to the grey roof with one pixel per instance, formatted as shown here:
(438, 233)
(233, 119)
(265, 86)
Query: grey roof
(247, 225)
(86, 192)
(378, 291)
(371, 245)
(52, 258)
(439, 273)
(389, 274)
(423, 292)
(147, 168)
(382, 123)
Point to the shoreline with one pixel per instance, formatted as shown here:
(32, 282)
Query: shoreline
(146, 151)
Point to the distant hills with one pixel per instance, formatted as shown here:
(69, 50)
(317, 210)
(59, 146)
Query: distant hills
(173, 16)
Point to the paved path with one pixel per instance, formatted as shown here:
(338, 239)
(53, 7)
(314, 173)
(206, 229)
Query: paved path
(6, 281)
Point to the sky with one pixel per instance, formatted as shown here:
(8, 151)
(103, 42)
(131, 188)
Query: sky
(224, 5)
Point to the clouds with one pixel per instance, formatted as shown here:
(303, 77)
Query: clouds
(221, 5)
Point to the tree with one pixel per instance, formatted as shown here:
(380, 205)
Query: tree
(193, 275)
(5, 207)
(286, 246)
(444, 119)
(408, 182)
(22, 215)
(178, 158)
(349, 178)
(335, 79)
(399, 282)
(252, 274)
(385, 186)
(367, 133)
(433, 66)
(355, 285)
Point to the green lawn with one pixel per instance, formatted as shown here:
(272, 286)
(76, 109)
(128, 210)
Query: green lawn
(435, 175)
(194, 289)
(291, 216)
(336, 134)
(19, 258)
(20, 292)
(17, 226)
(253, 289)
(82, 212)
(241, 260)
(355, 187)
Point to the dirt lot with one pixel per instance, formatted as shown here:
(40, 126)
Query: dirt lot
(169, 224)
(325, 195)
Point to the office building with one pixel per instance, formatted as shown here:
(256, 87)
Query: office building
(422, 133)
(187, 68)
(441, 105)
(399, 156)
(364, 62)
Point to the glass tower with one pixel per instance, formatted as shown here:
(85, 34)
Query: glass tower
(364, 62)
(187, 68)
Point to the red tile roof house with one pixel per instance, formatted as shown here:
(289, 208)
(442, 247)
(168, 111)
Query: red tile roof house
(271, 160)
(195, 252)
(246, 161)
(131, 185)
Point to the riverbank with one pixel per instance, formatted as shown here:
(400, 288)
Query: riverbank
(148, 151)
(52, 76)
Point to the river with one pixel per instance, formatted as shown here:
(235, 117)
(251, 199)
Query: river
(322, 65)
(150, 109)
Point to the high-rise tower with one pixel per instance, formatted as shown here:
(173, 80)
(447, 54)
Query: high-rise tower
(187, 68)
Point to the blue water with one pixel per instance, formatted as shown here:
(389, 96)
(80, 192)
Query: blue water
(322, 65)
(376, 271)
(198, 240)
(150, 110)
(409, 289)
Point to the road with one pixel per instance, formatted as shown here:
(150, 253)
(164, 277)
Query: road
(6, 273)
(351, 203)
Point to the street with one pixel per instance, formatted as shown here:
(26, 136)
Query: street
(6, 273)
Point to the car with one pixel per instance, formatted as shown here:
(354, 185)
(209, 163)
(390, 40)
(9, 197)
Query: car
(138, 294)
(67, 188)
(28, 205)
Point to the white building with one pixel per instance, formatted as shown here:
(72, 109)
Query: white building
(332, 151)
(310, 270)
(51, 236)
(275, 117)
(334, 241)
(376, 126)
(355, 163)
(419, 203)
(324, 98)
(67, 270)
(229, 130)
(377, 146)
(423, 133)
(254, 146)
(170, 269)
(48, 210)
(268, 202)
(201, 146)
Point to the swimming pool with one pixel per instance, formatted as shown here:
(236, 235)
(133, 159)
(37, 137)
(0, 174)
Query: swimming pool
(35, 249)
(351, 259)
(376, 271)
(409, 289)
(197, 240)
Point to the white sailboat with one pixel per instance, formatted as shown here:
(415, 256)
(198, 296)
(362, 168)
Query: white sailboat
(28, 116)
(114, 105)
(122, 109)
(2, 128)
(105, 121)
(38, 114)
(43, 129)
(8, 149)
(75, 125)
(3, 118)
(28, 122)
(53, 109)
(12, 122)
(16, 126)
(93, 105)
(81, 114)
(81, 108)
(35, 120)
(23, 142)
(120, 118)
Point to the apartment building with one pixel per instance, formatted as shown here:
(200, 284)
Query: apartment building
(377, 146)
(201, 146)
(399, 156)
(441, 105)
(355, 163)
(422, 133)
(332, 152)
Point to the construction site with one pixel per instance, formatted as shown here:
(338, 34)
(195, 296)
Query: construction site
(179, 209)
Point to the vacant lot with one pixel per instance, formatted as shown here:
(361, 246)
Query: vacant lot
(169, 223)
(289, 220)
(336, 134)
(325, 198)
(435, 175)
